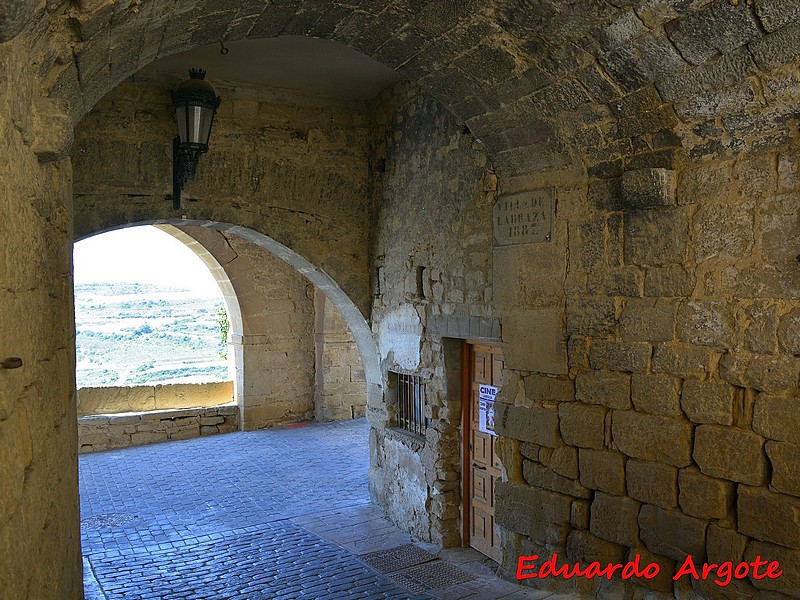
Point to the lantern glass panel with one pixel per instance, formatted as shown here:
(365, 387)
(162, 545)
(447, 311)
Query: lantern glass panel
(181, 113)
(194, 124)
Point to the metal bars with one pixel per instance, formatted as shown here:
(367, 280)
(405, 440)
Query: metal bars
(411, 403)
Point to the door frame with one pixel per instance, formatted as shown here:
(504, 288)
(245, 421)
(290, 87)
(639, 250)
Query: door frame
(466, 425)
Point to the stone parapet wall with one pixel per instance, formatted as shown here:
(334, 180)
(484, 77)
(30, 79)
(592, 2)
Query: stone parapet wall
(104, 432)
(112, 400)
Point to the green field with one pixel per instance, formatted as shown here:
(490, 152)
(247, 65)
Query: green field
(137, 334)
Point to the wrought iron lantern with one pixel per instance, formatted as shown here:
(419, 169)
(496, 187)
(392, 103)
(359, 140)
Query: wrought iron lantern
(196, 104)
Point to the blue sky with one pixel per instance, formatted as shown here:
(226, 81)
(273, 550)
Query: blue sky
(141, 255)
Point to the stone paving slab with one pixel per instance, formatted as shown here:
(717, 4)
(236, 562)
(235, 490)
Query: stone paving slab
(278, 514)
(361, 529)
(182, 490)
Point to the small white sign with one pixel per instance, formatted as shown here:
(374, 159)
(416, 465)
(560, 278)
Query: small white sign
(486, 396)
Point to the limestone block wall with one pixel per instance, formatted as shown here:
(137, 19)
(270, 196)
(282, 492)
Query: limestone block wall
(121, 430)
(432, 262)
(39, 530)
(277, 345)
(111, 400)
(340, 390)
(652, 371)
(664, 421)
(276, 349)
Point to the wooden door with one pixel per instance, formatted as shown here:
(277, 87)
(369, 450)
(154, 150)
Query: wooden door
(481, 461)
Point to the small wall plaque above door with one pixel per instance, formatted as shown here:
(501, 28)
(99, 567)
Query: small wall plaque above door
(524, 218)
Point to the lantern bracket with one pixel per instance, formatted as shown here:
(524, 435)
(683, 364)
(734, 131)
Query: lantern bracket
(184, 168)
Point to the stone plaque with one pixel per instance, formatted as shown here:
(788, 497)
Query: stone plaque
(523, 218)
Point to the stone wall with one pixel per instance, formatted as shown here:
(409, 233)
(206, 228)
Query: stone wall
(39, 527)
(432, 262)
(340, 390)
(143, 398)
(296, 357)
(652, 368)
(121, 430)
(276, 349)
(662, 423)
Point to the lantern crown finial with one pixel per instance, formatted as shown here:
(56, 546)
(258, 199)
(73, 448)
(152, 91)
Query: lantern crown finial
(196, 91)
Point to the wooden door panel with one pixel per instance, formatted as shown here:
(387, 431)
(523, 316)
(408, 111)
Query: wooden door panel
(476, 404)
(497, 370)
(482, 488)
(481, 537)
(481, 448)
(495, 457)
(483, 367)
(481, 458)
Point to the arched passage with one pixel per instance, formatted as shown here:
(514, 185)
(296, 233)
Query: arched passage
(235, 325)
(703, 90)
(321, 280)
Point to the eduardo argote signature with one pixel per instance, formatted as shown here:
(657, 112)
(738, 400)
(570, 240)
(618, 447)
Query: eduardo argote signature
(722, 573)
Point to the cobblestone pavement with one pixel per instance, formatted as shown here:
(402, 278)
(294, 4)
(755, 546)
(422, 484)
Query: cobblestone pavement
(271, 514)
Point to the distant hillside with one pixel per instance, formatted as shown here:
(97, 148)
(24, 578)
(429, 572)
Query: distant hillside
(135, 334)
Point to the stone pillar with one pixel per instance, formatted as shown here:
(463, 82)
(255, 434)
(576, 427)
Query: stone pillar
(340, 390)
(39, 521)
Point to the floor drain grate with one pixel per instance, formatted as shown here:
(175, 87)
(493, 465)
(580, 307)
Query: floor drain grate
(398, 558)
(410, 584)
(437, 574)
(108, 521)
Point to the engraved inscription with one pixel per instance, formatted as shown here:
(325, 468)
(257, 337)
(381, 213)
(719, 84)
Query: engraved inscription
(523, 218)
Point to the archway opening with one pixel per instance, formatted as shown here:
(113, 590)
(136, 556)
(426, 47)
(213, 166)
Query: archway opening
(153, 313)
(147, 311)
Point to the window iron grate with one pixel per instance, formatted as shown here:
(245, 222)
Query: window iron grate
(411, 403)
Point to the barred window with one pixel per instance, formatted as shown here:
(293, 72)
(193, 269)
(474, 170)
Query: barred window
(410, 402)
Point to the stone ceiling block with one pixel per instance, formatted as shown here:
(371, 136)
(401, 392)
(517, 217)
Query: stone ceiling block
(645, 188)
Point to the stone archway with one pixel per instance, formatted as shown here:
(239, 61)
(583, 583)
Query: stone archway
(600, 101)
(471, 54)
(216, 270)
(547, 87)
(321, 280)
(223, 281)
